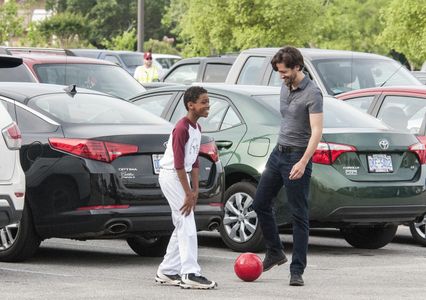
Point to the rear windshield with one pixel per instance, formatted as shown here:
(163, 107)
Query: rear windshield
(92, 109)
(104, 78)
(16, 74)
(343, 75)
(132, 60)
(337, 114)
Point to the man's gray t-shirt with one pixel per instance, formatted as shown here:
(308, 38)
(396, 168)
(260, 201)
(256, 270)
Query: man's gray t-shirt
(295, 107)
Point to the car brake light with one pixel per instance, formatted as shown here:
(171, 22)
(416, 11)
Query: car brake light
(12, 136)
(327, 153)
(420, 150)
(92, 149)
(210, 150)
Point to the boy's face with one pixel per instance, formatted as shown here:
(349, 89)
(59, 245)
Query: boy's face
(201, 107)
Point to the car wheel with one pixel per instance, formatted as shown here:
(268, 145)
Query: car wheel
(150, 247)
(369, 237)
(240, 229)
(19, 241)
(418, 231)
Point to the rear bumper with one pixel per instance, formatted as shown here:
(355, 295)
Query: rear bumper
(148, 221)
(8, 212)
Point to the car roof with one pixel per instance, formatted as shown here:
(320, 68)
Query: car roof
(104, 51)
(161, 55)
(418, 89)
(21, 91)
(59, 59)
(225, 58)
(315, 53)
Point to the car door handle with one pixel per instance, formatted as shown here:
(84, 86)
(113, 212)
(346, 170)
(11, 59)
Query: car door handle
(223, 144)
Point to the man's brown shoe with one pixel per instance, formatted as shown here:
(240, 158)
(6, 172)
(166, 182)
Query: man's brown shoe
(273, 259)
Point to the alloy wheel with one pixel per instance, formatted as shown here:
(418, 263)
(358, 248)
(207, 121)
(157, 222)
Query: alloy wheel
(8, 236)
(240, 220)
(420, 228)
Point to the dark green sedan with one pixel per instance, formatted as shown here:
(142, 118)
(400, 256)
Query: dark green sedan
(367, 178)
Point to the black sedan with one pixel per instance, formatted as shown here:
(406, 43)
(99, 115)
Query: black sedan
(91, 165)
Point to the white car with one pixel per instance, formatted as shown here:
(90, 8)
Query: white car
(12, 177)
(164, 62)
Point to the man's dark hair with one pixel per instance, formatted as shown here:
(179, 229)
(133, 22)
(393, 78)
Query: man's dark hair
(289, 56)
(192, 94)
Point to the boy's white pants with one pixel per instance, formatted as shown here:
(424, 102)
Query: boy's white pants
(182, 251)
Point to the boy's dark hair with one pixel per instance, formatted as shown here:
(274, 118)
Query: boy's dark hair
(192, 94)
(289, 56)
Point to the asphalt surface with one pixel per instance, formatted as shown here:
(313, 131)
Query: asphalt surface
(67, 269)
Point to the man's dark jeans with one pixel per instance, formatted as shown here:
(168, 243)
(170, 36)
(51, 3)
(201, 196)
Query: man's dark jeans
(274, 176)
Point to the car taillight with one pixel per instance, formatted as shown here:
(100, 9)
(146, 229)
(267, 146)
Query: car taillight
(327, 153)
(420, 150)
(12, 136)
(92, 149)
(210, 150)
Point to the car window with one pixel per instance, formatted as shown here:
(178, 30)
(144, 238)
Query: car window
(216, 72)
(30, 123)
(183, 74)
(166, 62)
(154, 103)
(403, 113)
(218, 108)
(112, 59)
(16, 74)
(92, 109)
(109, 79)
(361, 103)
(337, 114)
(10, 108)
(342, 75)
(231, 119)
(132, 60)
(251, 70)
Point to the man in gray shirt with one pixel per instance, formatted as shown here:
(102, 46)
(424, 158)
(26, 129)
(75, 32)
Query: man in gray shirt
(290, 162)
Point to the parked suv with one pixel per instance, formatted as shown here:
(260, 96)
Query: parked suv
(95, 74)
(199, 69)
(12, 178)
(334, 71)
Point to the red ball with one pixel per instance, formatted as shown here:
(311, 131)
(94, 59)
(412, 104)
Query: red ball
(248, 266)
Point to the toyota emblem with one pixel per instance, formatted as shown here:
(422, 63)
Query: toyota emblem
(384, 144)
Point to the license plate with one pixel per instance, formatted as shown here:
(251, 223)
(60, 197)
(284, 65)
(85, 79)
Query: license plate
(380, 163)
(156, 162)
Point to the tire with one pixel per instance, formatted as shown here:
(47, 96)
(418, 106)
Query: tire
(19, 241)
(369, 237)
(153, 247)
(240, 229)
(418, 231)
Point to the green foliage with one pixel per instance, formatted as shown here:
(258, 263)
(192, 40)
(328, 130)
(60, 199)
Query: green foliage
(125, 41)
(218, 26)
(11, 23)
(160, 47)
(405, 29)
(350, 25)
(63, 29)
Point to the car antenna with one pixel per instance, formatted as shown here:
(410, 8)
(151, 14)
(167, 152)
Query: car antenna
(384, 82)
(71, 90)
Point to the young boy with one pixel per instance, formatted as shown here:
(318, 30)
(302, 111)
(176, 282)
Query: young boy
(180, 159)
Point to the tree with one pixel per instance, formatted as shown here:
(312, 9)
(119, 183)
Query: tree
(63, 29)
(350, 25)
(218, 26)
(405, 29)
(11, 23)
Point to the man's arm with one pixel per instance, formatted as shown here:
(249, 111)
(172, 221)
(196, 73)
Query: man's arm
(316, 121)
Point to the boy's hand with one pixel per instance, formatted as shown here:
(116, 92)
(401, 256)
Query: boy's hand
(188, 204)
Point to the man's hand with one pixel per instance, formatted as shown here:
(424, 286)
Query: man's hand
(188, 204)
(298, 170)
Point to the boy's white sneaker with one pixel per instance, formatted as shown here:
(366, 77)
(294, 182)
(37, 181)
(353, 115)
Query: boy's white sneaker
(192, 281)
(168, 279)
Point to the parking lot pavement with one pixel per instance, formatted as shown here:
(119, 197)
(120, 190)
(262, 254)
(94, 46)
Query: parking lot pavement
(65, 269)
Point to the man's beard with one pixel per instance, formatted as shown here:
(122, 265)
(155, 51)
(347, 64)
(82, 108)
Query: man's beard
(289, 82)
